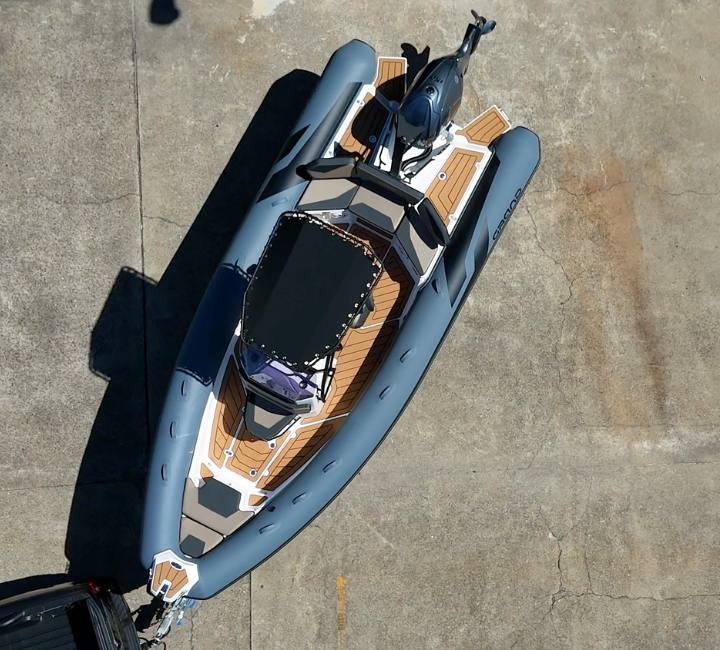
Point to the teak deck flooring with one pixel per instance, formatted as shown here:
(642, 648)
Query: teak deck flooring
(309, 440)
(390, 79)
(391, 292)
(227, 414)
(176, 577)
(251, 453)
(245, 452)
(377, 242)
(364, 131)
(485, 128)
(362, 135)
(446, 193)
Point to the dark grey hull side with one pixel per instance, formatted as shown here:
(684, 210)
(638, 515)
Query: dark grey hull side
(430, 317)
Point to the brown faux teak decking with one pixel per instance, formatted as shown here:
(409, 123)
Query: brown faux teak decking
(362, 352)
(391, 292)
(390, 80)
(176, 577)
(227, 415)
(247, 455)
(449, 186)
(485, 128)
(377, 242)
(308, 440)
(252, 455)
(362, 135)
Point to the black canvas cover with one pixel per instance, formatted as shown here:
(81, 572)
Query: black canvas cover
(310, 282)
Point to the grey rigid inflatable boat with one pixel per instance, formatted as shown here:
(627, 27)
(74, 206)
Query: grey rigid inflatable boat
(326, 311)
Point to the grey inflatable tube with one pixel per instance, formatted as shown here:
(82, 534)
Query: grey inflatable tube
(313, 488)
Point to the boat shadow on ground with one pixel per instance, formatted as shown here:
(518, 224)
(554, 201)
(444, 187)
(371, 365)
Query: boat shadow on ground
(416, 61)
(136, 341)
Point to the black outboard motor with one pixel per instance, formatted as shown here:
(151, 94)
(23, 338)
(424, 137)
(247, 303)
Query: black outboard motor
(435, 95)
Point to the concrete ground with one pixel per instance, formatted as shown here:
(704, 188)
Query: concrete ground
(554, 483)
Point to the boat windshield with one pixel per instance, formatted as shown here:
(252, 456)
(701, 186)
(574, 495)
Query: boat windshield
(276, 377)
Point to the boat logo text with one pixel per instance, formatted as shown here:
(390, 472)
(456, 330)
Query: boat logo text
(507, 214)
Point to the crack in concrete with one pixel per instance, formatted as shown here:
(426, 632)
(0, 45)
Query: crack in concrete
(141, 210)
(490, 470)
(192, 627)
(186, 227)
(540, 447)
(585, 563)
(74, 484)
(558, 595)
(561, 330)
(170, 221)
(609, 467)
(560, 537)
(608, 188)
(561, 592)
(542, 248)
(670, 599)
(250, 612)
(111, 199)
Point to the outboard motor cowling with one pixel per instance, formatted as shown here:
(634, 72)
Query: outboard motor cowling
(431, 103)
(435, 95)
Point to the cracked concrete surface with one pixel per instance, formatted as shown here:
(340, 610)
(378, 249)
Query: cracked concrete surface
(553, 483)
